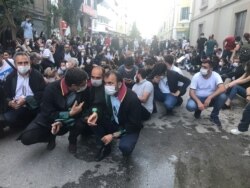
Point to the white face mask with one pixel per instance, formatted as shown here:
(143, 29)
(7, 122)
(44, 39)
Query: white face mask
(23, 69)
(96, 83)
(50, 80)
(203, 71)
(88, 61)
(110, 90)
(221, 63)
(27, 43)
(41, 49)
(63, 68)
(235, 64)
(82, 89)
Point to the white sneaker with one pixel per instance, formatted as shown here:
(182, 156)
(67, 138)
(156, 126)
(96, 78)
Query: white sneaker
(235, 132)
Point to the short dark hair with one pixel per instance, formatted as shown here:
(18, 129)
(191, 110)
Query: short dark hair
(207, 61)
(169, 59)
(21, 53)
(75, 76)
(150, 61)
(142, 72)
(117, 75)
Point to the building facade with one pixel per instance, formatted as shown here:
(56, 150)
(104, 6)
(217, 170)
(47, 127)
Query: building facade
(219, 17)
(111, 18)
(177, 22)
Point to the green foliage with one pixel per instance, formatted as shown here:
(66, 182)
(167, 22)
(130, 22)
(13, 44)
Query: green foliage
(135, 33)
(11, 15)
(70, 10)
(15, 5)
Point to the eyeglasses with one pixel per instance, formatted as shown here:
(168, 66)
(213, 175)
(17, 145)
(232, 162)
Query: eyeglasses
(22, 63)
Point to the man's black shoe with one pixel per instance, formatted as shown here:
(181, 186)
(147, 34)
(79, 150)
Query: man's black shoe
(179, 101)
(197, 114)
(1, 132)
(72, 148)
(170, 112)
(103, 152)
(52, 143)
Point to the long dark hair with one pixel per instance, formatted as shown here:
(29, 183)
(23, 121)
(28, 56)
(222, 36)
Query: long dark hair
(247, 70)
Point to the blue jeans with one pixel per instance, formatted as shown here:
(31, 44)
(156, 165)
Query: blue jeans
(168, 99)
(237, 90)
(216, 102)
(245, 120)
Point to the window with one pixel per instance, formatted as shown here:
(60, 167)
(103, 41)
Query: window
(200, 29)
(240, 23)
(185, 13)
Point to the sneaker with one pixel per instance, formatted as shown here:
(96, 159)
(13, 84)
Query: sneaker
(215, 120)
(235, 132)
(72, 148)
(197, 114)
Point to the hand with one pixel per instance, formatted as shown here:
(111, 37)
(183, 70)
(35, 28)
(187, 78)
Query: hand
(176, 94)
(21, 101)
(92, 119)
(13, 104)
(248, 98)
(107, 139)
(201, 106)
(56, 127)
(156, 79)
(227, 86)
(76, 109)
(207, 102)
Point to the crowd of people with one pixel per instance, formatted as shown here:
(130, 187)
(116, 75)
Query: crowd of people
(108, 87)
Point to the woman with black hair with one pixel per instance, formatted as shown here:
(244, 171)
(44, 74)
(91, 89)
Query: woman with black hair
(238, 86)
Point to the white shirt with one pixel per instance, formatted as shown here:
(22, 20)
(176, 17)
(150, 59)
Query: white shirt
(67, 56)
(115, 107)
(145, 87)
(205, 87)
(23, 88)
(163, 85)
(48, 54)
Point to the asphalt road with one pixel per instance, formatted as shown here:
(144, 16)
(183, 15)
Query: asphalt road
(173, 151)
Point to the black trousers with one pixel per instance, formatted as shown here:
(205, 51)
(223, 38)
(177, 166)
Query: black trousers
(245, 120)
(38, 133)
(145, 114)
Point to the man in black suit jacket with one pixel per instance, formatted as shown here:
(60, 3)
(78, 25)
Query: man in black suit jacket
(124, 110)
(23, 90)
(64, 104)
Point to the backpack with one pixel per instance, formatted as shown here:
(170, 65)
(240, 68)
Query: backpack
(244, 54)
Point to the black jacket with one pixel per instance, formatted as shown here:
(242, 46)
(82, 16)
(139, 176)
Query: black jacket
(173, 79)
(36, 83)
(129, 115)
(54, 104)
